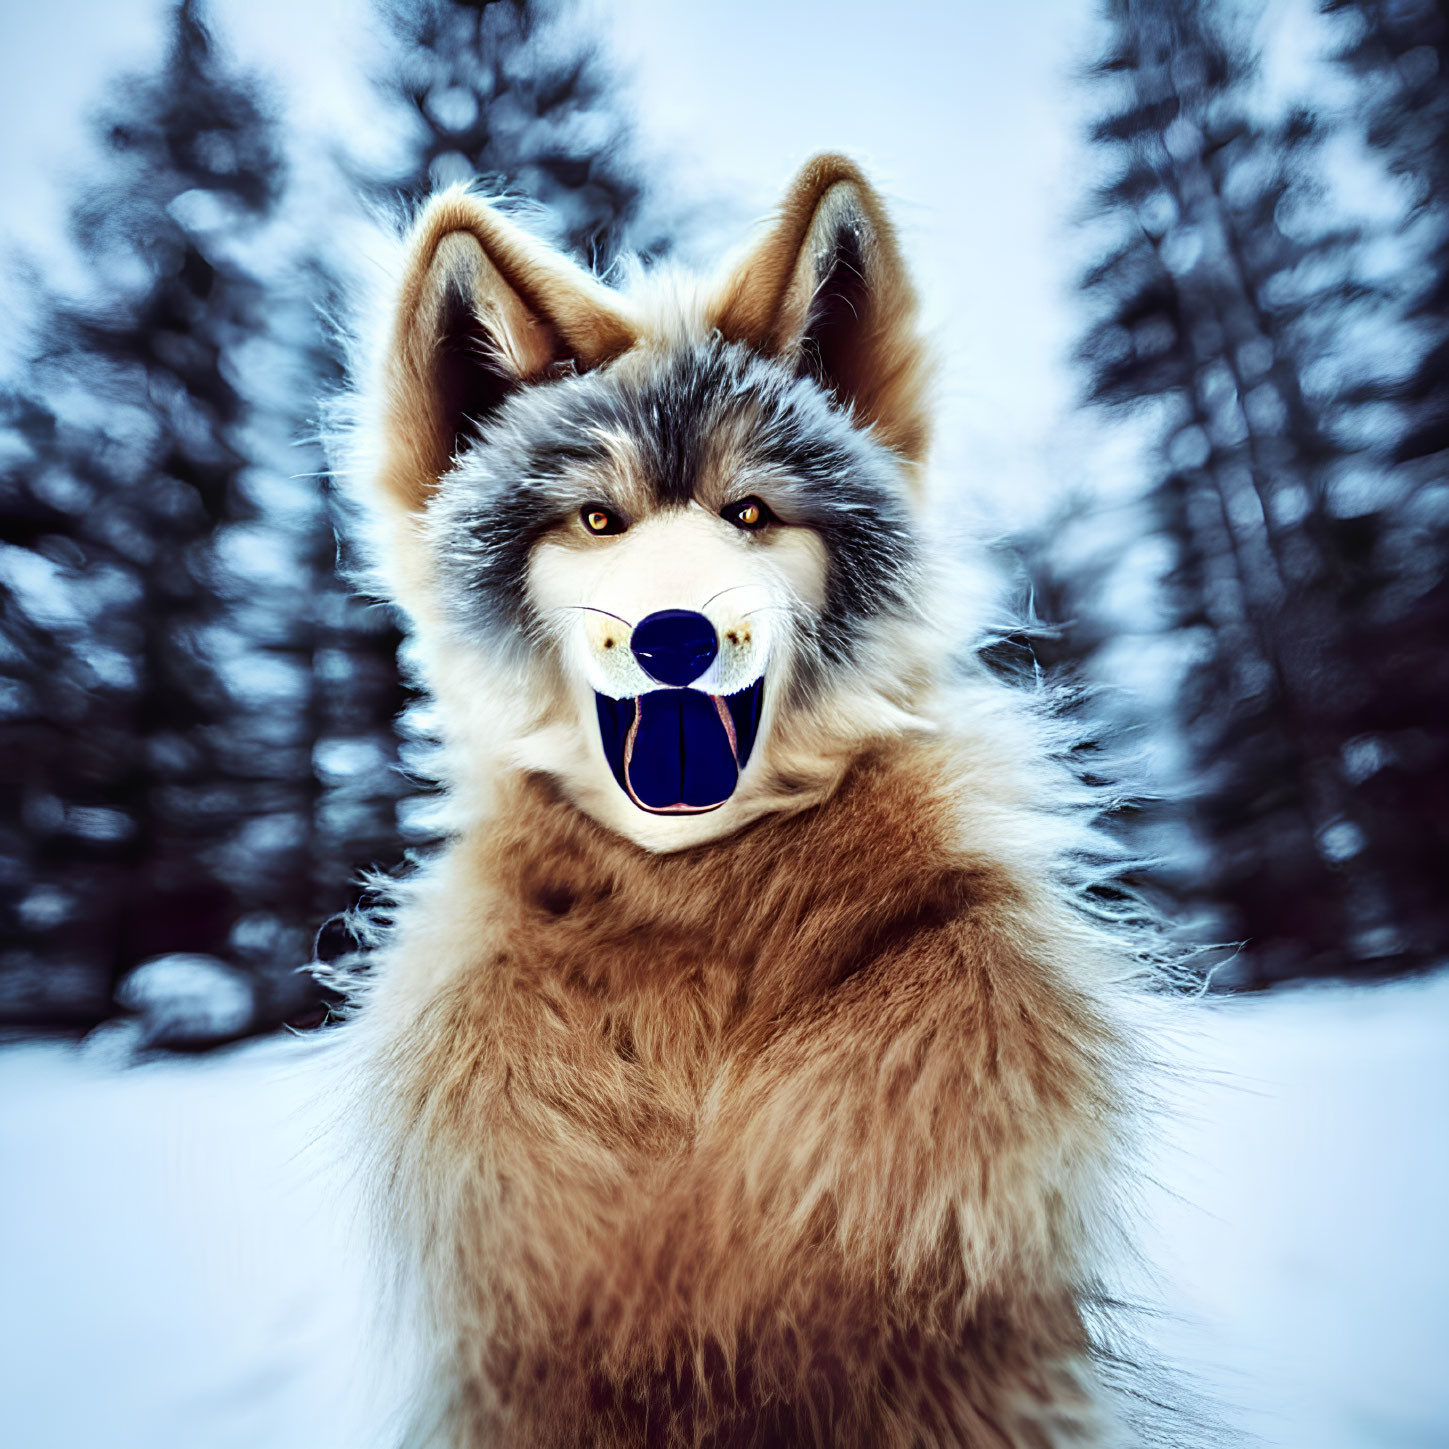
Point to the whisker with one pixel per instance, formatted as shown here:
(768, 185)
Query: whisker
(729, 590)
(591, 609)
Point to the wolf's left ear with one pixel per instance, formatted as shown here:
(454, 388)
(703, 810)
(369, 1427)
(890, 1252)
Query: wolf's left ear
(483, 309)
(825, 288)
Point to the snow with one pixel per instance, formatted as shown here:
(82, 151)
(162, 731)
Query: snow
(1301, 1228)
(179, 1270)
(181, 1266)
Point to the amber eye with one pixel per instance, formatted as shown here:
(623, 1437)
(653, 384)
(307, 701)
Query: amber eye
(598, 519)
(749, 514)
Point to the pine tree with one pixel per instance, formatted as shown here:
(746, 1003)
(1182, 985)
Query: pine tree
(1224, 295)
(514, 93)
(1399, 54)
(126, 461)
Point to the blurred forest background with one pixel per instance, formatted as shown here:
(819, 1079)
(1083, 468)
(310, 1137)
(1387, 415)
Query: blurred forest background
(199, 747)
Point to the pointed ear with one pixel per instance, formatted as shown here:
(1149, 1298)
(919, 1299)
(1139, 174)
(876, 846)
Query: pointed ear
(484, 309)
(825, 289)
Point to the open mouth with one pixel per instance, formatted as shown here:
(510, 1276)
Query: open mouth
(679, 751)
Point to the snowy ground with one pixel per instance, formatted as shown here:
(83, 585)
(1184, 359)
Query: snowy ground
(178, 1269)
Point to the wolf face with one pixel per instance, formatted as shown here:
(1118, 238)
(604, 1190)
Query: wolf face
(667, 535)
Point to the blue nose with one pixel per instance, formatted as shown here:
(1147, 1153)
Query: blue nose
(674, 646)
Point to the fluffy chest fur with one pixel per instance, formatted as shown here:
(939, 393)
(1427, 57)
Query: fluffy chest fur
(746, 1135)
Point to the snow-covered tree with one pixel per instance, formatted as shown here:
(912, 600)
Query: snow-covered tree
(516, 94)
(1399, 56)
(126, 455)
(1223, 312)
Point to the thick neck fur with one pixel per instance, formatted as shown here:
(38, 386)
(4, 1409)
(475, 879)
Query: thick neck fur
(729, 1137)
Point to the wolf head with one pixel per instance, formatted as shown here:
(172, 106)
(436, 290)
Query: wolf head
(657, 544)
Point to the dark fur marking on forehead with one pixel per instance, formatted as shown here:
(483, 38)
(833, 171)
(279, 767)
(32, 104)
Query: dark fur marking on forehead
(826, 475)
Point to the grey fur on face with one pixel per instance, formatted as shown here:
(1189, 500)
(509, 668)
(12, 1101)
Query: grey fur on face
(547, 451)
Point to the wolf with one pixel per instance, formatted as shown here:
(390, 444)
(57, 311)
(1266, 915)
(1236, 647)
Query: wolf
(748, 1067)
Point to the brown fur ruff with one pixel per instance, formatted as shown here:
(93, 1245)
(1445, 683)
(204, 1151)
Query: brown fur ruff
(792, 1138)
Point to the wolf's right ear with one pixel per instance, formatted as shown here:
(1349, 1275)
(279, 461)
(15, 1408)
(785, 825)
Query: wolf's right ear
(484, 308)
(825, 289)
